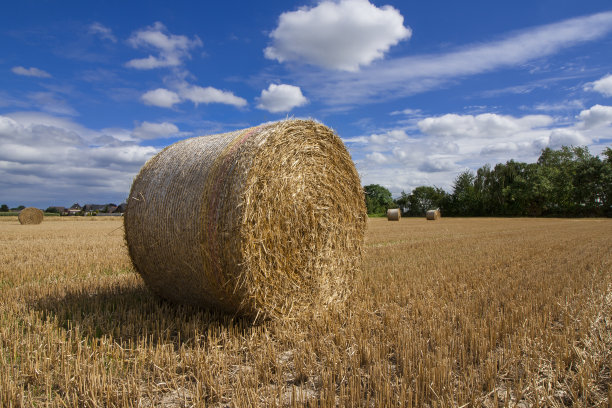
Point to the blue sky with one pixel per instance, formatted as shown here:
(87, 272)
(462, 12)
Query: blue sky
(418, 91)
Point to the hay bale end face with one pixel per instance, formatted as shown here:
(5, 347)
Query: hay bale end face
(433, 215)
(30, 216)
(263, 222)
(394, 214)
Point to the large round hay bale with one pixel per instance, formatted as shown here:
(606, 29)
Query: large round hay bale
(433, 215)
(30, 215)
(263, 221)
(394, 214)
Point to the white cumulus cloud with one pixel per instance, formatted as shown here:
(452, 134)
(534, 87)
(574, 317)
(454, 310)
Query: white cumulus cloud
(281, 98)
(596, 116)
(341, 35)
(148, 130)
(171, 49)
(32, 71)
(603, 86)
(567, 137)
(161, 97)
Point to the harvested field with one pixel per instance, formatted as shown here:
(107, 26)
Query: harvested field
(460, 312)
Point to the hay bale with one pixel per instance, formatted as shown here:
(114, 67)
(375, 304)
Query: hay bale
(263, 222)
(394, 214)
(30, 216)
(433, 214)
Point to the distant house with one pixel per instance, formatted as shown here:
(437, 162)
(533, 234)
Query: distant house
(121, 208)
(100, 209)
(89, 209)
(75, 209)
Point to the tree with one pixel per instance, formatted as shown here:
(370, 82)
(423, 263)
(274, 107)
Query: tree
(53, 210)
(606, 181)
(464, 200)
(421, 199)
(378, 199)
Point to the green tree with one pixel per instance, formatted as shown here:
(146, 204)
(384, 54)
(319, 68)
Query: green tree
(378, 199)
(606, 181)
(423, 198)
(4, 208)
(464, 198)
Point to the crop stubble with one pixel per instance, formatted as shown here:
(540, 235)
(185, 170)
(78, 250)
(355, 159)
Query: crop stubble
(461, 311)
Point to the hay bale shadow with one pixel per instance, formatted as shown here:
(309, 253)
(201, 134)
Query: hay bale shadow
(132, 313)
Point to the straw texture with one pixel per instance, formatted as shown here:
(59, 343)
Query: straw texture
(264, 221)
(394, 214)
(30, 215)
(433, 215)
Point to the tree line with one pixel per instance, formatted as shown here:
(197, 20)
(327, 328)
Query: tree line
(568, 182)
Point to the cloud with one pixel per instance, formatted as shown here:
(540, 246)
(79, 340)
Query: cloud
(559, 106)
(171, 49)
(500, 148)
(596, 116)
(434, 165)
(410, 75)
(160, 97)
(567, 137)
(433, 152)
(486, 125)
(32, 71)
(389, 137)
(341, 35)
(46, 160)
(198, 94)
(377, 157)
(102, 31)
(49, 102)
(603, 86)
(148, 130)
(166, 98)
(281, 98)
(408, 111)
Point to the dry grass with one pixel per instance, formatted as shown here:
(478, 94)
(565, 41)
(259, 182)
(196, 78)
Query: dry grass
(467, 312)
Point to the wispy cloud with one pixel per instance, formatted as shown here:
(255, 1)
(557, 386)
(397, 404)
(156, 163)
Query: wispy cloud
(32, 72)
(414, 74)
(102, 31)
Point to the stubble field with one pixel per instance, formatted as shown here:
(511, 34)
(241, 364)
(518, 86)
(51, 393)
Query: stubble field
(447, 313)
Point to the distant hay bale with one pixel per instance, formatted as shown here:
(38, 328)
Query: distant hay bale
(264, 221)
(30, 216)
(433, 214)
(394, 214)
